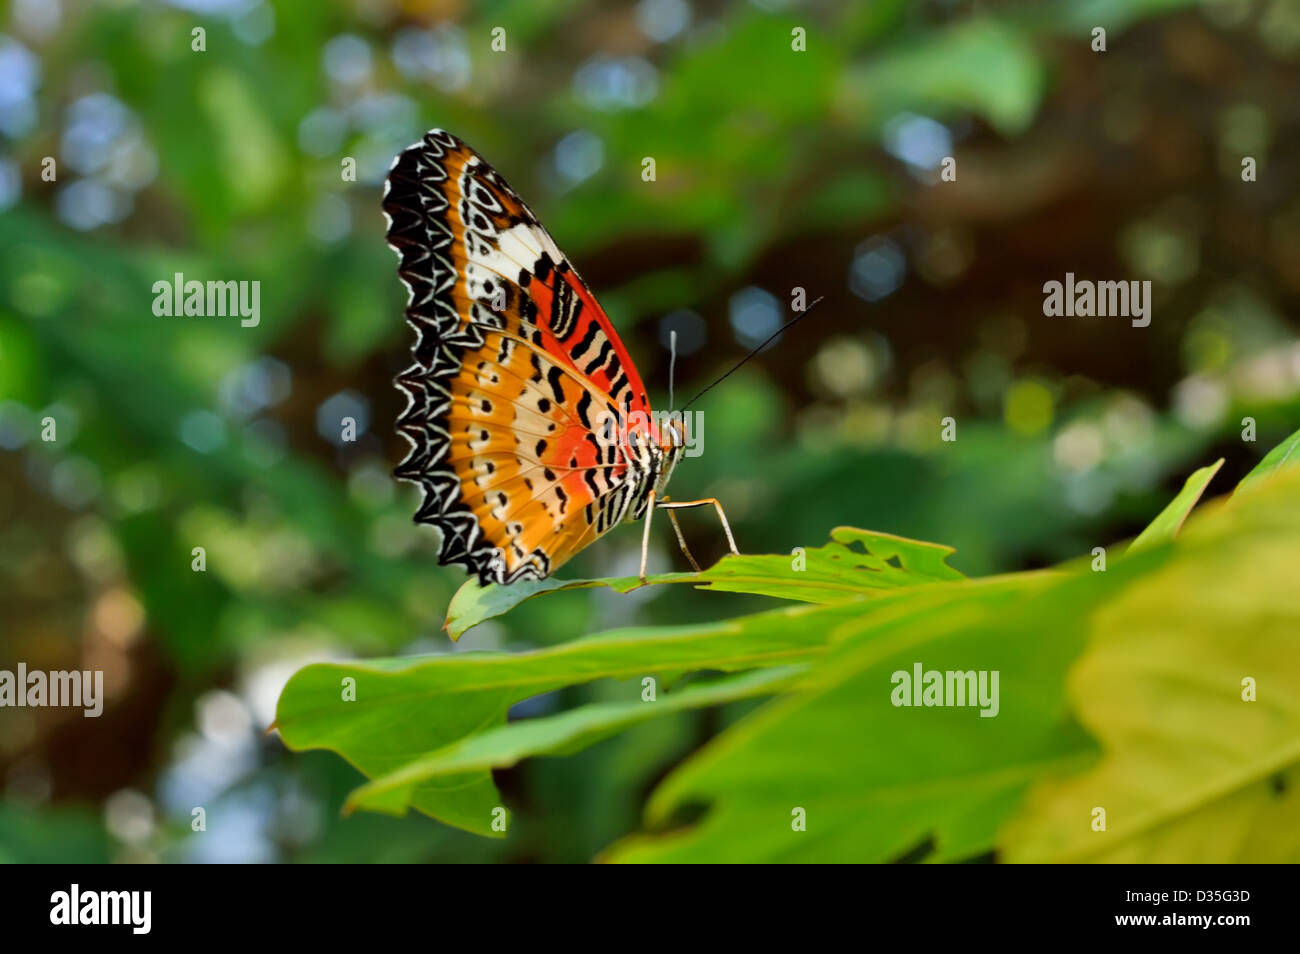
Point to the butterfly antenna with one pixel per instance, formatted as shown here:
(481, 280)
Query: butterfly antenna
(672, 365)
(770, 338)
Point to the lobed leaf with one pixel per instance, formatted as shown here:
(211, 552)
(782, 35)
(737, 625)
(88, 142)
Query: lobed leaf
(876, 781)
(855, 563)
(404, 709)
(1188, 769)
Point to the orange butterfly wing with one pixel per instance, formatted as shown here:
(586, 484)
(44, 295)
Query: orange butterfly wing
(516, 367)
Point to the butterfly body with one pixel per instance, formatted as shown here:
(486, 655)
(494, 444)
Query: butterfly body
(531, 433)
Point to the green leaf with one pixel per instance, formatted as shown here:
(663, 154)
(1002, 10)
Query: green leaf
(1166, 526)
(878, 780)
(1189, 771)
(855, 563)
(404, 709)
(473, 603)
(980, 64)
(1283, 455)
(565, 733)
(1192, 771)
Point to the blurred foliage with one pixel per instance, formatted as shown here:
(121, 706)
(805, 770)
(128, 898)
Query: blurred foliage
(775, 170)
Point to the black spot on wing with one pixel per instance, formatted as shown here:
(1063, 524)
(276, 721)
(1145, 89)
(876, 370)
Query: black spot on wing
(555, 378)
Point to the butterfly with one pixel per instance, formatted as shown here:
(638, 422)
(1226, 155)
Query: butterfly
(530, 430)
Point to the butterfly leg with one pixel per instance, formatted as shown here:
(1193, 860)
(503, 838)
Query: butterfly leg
(645, 534)
(681, 540)
(726, 527)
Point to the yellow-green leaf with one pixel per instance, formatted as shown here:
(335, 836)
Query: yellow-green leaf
(1194, 770)
(1170, 520)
